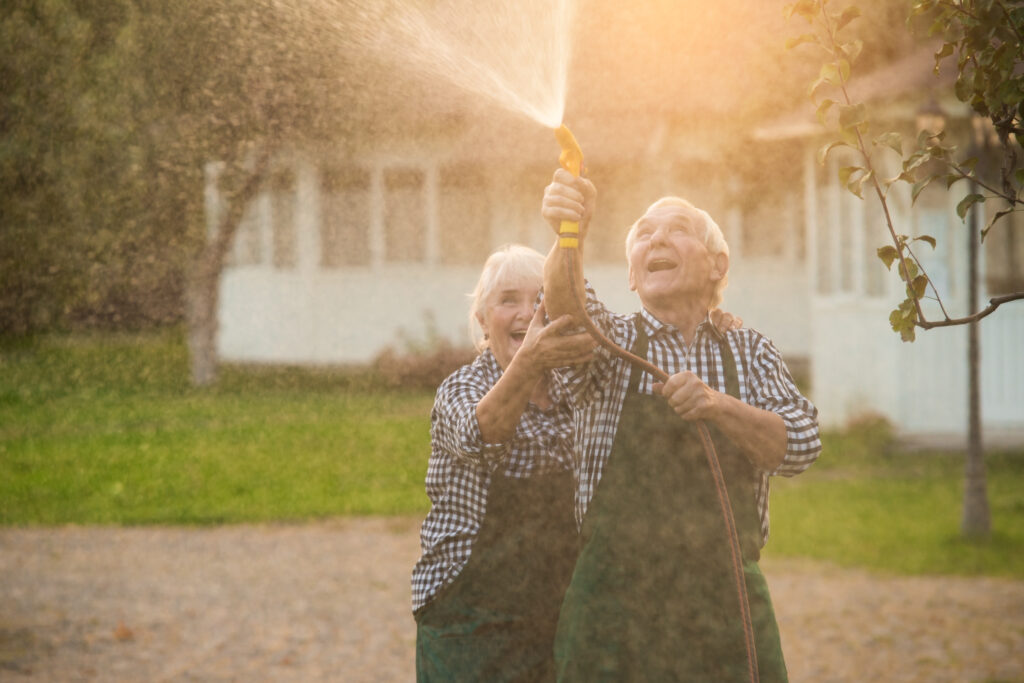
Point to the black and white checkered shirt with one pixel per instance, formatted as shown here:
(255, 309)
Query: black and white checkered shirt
(459, 472)
(598, 390)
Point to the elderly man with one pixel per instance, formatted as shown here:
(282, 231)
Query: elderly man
(652, 596)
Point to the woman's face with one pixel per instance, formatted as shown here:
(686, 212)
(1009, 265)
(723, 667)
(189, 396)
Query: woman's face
(506, 316)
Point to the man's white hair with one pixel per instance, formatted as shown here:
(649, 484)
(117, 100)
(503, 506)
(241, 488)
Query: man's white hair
(707, 232)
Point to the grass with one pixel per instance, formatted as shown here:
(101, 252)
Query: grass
(105, 429)
(868, 504)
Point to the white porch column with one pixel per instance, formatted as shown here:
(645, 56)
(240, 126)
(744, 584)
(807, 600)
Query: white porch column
(307, 216)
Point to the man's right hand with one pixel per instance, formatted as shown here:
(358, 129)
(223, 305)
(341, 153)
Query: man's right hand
(568, 198)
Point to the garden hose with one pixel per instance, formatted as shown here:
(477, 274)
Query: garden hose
(571, 159)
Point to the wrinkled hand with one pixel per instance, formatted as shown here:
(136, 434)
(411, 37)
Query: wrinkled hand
(547, 347)
(689, 397)
(725, 322)
(568, 198)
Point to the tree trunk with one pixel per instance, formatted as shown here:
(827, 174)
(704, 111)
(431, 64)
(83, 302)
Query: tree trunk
(203, 287)
(976, 522)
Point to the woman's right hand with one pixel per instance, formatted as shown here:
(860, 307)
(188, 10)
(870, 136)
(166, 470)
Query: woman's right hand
(546, 347)
(568, 198)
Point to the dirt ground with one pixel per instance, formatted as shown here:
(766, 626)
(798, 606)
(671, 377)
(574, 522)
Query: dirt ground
(330, 602)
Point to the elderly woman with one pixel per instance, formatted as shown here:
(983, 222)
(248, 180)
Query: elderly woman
(652, 595)
(499, 542)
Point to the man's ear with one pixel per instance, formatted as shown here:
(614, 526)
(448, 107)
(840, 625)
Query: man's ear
(719, 266)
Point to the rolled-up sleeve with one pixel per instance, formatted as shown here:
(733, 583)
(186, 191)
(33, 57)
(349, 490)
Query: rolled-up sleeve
(455, 428)
(772, 388)
(586, 380)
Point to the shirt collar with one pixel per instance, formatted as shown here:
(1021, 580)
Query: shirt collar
(653, 326)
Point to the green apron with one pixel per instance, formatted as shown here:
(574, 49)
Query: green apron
(653, 596)
(496, 621)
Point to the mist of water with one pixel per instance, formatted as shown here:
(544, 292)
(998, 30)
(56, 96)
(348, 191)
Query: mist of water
(514, 52)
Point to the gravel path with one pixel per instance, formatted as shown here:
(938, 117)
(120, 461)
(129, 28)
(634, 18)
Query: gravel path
(329, 602)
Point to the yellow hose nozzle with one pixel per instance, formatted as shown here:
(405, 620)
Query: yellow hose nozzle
(571, 159)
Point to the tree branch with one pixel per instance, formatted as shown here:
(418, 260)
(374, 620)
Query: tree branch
(993, 304)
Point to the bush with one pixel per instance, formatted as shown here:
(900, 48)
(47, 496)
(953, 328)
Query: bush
(421, 369)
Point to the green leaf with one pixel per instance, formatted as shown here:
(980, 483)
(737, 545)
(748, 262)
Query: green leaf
(852, 49)
(919, 286)
(852, 116)
(888, 254)
(844, 69)
(911, 270)
(829, 73)
(1019, 175)
(927, 238)
(991, 223)
(801, 39)
(945, 51)
(848, 15)
(846, 172)
(856, 186)
(823, 109)
(903, 320)
(825, 149)
(966, 203)
(892, 140)
(804, 8)
(919, 187)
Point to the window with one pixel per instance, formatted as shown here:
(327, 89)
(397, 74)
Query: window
(345, 218)
(282, 218)
(404, 216)
(826, 209)
(465, 216)
(1004, 254)
(877, 233)
(248, 247)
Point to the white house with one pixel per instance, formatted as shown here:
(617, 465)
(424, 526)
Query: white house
(859, 366)
(357, 247)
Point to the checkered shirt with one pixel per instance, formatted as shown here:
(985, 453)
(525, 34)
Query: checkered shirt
(461, 464)
(598, 390)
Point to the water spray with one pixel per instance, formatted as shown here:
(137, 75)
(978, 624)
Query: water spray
(571, 159)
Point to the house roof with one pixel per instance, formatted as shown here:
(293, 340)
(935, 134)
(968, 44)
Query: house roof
(897, 90)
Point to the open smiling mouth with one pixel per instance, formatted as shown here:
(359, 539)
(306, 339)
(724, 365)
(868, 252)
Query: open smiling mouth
(518, 336)
(660, 264)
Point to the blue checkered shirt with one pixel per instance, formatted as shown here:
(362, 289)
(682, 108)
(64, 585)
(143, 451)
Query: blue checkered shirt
(461, 464)
(598, 390)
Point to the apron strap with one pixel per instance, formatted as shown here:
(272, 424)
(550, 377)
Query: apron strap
(732, 383)
(640, 350)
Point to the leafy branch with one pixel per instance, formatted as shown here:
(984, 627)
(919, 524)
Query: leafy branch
(985, 35)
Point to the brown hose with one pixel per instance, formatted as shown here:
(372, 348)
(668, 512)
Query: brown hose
(709, 452)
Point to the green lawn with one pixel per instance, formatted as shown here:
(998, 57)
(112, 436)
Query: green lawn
(106, 430)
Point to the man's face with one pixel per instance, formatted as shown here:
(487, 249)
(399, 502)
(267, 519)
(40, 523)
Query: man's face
(667, 263)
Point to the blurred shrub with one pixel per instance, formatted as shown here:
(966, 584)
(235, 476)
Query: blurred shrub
(421, 368)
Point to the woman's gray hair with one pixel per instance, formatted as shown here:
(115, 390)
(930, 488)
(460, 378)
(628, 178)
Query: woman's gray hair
(511, 263)
(707, 232)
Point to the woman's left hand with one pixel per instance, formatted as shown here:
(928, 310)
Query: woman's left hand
(546, 347)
